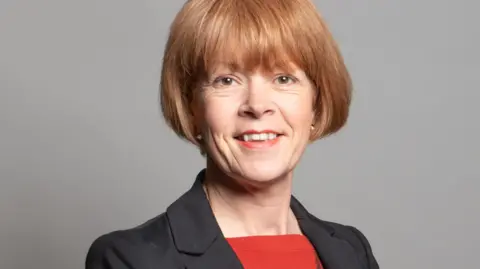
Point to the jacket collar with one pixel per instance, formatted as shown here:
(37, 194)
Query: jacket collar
(191, 217)
(198, 237)
(196, 233)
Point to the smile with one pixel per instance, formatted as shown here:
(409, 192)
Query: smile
(258, 139)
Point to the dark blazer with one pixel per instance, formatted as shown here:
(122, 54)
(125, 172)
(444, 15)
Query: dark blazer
(187, 236)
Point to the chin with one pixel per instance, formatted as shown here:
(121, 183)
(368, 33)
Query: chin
(262, 172)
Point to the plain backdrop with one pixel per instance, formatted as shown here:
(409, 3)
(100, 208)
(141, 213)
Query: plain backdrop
(84, 149)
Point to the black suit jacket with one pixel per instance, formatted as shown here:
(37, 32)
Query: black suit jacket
(187, 236)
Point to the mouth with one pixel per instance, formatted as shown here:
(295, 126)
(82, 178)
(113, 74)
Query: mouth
(258, 139)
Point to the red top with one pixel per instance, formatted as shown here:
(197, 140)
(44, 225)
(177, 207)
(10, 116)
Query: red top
(275, 252)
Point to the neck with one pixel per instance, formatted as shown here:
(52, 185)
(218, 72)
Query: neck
(243, 208)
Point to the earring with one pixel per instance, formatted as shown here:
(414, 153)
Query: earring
(199, 137)
(312, 127)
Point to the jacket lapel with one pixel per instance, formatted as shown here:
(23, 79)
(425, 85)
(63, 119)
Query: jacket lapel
(196, 233)
(334, 252)
(201, 244)
(218, 256)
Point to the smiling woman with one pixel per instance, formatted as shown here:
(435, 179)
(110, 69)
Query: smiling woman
(251, 83)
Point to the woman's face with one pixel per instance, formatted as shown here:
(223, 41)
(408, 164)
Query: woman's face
(255, 125)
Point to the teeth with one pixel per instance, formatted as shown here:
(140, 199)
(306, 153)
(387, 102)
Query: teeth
(259, 137)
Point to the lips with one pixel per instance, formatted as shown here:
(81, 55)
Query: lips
(258, 139)
(254, 135)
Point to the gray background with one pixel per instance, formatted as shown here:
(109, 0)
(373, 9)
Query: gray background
(84, 150)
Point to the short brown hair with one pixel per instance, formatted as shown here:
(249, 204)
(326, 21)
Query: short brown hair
(250, 34)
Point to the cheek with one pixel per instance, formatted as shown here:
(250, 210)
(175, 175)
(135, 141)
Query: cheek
(297, 110)
(219, 114)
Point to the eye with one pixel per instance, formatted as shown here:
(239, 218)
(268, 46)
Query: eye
(223, 81)
(284, 79)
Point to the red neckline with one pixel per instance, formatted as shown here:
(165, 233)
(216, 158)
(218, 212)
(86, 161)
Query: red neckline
(288, 242)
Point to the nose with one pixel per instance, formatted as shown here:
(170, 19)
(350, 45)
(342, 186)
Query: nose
(258, 102)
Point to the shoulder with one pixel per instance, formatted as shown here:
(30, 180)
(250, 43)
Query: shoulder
(354, 237)
(139, 247)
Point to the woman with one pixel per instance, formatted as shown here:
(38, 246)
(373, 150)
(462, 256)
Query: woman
(251, 83)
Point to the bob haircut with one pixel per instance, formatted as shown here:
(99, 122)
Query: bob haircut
(251, 34)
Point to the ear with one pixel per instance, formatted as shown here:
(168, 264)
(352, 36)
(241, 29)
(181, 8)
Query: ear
(315, 105)
(313, 122)
(196, 110)
(314, 113)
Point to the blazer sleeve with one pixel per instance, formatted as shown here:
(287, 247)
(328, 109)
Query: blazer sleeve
(103, 254)
(367, 255)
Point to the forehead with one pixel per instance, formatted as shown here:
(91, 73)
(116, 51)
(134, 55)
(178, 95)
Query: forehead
(251, 67)
(248, 56)
(248, 37)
